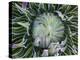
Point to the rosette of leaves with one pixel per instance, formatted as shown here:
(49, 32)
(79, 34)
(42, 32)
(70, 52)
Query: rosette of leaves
(41, 29)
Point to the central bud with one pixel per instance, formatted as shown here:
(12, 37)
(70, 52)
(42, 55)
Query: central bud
(47, 28)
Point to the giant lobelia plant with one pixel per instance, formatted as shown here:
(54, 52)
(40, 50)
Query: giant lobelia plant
(41, 29)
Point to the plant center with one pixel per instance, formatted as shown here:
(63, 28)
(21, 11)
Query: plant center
(47, 28)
